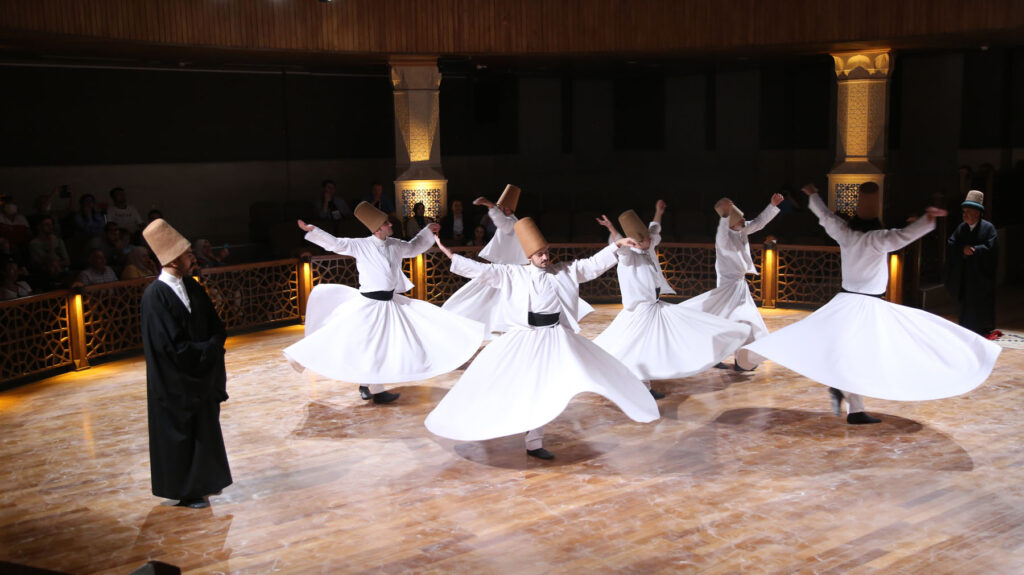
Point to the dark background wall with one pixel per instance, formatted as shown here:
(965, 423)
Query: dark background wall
(603, 138)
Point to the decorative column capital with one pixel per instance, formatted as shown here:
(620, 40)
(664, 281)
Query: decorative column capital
(862, 65)
(413, 73)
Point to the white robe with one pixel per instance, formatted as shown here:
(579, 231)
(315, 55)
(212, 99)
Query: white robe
(867, 346)
(526, 377)
(478, 301)
(356, 339)
(731, 297)
(658, 340)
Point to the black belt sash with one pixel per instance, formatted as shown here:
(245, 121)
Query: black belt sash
(878, 295)
(542, 319)
(657, 292)
(379, 295)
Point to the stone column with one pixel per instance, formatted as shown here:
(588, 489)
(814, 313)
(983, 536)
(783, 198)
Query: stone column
(861, 122)
(416, 82)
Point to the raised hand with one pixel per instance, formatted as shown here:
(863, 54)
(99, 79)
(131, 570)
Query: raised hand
(932, 212)
(627, 242)
(305, 227)
(809, 189)
(777, 199)
(482, 201)
(434, 228)
(604, 221)
(445, 250)
(660, 206)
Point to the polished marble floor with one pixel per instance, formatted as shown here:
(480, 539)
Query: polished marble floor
(744, 472)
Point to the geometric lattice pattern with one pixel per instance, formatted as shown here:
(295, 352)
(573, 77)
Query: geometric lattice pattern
(440, 282)
(111, 313)
(689, 268)
(846, 198)
(432, 201)
(254, 294)
(808, 275)
(36, 335)
(334, 269)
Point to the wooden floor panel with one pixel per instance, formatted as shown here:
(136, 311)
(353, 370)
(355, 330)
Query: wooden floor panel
(744, 472)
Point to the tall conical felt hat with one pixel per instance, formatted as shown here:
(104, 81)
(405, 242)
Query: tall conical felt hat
(633, 226)
(165, 241)
(975, 199)
(725, 207)
(371, 217)
(509, 198)
(529, 236)
(869, 202)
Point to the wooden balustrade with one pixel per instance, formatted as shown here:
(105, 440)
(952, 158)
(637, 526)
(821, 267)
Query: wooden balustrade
(66, 329)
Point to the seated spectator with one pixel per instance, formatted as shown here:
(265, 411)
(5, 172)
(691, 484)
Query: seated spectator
(98, 271)
(13, 225)
(11, 286)
(112, 244)
(454, 226)
(139, 264)
(89, 221)
(479, 237)
(44, 206)
(206, 256)
(48, 256)
(154, 214)
(122, 214)
(331, 206)
(417, 221)
(383, 202)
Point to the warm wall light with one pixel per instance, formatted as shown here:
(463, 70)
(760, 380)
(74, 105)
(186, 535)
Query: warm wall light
(419, 277)
(305, 285)
(894, 292)
(76, 327)
(433, 194)
(769, 274)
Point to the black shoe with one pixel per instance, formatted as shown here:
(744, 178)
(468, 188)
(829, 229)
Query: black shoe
(721, 365)
(540, 453)
(385, 397)
(193, 503)
(364, 392)
(861, 418)
(736, 367)
(837, 400)
(656, 394)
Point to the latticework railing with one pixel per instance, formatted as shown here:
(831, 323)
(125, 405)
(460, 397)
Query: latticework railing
(51, 331)
(252, 295)
(36, 335)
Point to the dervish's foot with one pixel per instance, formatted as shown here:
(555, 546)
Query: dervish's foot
(656, 394)
(364, 392)
(193, 503)
(837, 400)
(540, 453)
(861, 418)
(385, 397)
(721, 365)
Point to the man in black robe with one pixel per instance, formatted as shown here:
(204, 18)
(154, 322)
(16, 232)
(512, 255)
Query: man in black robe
(183, 339)
(971, 260)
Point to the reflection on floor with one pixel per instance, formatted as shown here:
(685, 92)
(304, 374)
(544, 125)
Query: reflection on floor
(744, 472)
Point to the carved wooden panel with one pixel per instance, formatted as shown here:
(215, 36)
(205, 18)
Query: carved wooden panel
(254, 294)
(334, 269)
(441, 283)
(36, 335)
(689, 268)
(111, 313)
(808, 276)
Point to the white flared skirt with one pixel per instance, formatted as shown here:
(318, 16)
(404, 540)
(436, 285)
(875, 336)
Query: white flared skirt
(526, 378)
(480, 302)
(865, 345)
(658, 340)
(731, 301)
(356, 339)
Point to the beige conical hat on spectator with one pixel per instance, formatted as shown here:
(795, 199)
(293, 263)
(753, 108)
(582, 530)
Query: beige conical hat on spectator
(165, 241)
(633, 226)
(869, 202)
(509, 198)
(725, 207)
(529, 236)
(975, 199)
(371, 217)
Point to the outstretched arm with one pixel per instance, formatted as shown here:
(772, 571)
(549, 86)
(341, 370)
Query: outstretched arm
(587, 269)
(766, 215)
(325, 240)
(420, 243)
(834, 226)
(613, 234)
(659, 210)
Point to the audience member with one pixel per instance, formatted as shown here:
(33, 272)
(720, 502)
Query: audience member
(98, 271)
(10, 285)
(206, 256)
(13, 225)
(454, 225)
(331, 206)
(89, 221)
(479, 237)
(383, 202)
(417, 221)
(122, 214)
(139, 265)
(44, 207)
(48, 256)
(113, 246)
